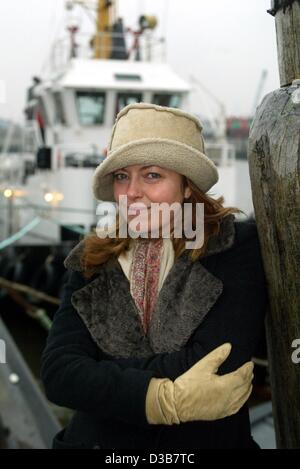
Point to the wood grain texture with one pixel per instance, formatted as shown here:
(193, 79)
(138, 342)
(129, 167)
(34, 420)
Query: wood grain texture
(274, 165)
(288, 43)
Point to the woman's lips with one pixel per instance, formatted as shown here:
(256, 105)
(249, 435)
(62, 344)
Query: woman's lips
(137, 209)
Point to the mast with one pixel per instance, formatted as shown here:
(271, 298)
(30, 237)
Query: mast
(104, 21)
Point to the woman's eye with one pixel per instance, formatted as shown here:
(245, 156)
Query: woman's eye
(119, 176)
(153, 175)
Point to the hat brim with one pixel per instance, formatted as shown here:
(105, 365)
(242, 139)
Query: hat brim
(165, 153)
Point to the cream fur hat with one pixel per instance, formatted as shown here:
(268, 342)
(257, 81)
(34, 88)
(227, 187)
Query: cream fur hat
(149, 134)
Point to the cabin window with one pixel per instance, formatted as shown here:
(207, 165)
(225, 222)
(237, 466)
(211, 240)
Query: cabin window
(166, 99)
(91, 106)
(60, 117)
(127, 77)
(123, 99)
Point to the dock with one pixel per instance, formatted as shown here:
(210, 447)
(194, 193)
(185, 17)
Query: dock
(26, 419)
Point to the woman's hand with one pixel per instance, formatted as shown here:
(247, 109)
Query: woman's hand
(199, 393)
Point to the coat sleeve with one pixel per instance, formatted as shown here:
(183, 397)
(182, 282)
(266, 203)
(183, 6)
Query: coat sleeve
(237, 317)
(75, 375)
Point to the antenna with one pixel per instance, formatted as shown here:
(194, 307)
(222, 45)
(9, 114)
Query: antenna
(258, 94)
(221, 122)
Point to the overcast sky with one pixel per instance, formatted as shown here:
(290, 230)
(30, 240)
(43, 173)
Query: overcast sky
(224, 44)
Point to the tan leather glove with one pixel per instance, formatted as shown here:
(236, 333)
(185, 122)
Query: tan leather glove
(199, 393)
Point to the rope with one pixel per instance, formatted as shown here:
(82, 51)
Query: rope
(35, 313)
(31, 291)
(31, 225)
(12, 239)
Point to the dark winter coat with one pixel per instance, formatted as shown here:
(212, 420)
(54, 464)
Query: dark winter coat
(99, 362)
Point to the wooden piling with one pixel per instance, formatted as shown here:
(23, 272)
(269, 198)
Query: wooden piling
(274, 165)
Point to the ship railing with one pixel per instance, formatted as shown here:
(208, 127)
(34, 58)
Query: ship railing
(29, 139)
(14, 158)
(11, 139)
(151, 49)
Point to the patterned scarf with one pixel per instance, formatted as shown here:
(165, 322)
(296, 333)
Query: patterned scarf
(144, 277)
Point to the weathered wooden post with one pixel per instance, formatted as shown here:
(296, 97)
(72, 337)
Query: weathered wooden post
(274, 164)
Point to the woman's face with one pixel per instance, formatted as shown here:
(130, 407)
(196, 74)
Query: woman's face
(147, 185)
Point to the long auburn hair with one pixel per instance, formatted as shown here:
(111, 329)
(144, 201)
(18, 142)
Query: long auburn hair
(97, 251)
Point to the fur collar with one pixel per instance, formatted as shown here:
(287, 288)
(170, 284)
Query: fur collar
(109, 312)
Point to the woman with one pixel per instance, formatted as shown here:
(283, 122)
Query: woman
(140, 346)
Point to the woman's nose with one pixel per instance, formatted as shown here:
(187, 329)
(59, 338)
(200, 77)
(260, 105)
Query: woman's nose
(134, 189)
